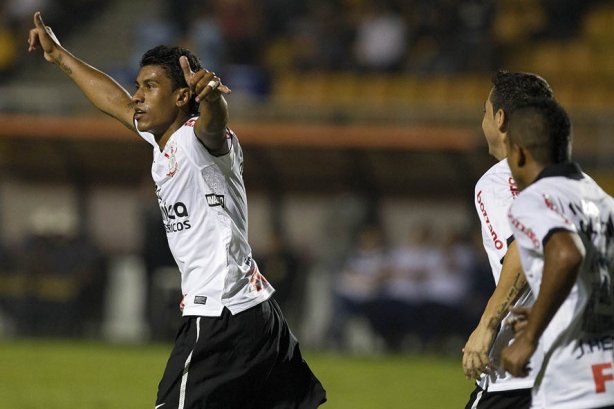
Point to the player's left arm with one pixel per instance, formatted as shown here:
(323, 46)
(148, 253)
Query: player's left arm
(563, 256)
(511, 284)
(210, 127)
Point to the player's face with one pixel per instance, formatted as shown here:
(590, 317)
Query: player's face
(155, 107)
(490, 127)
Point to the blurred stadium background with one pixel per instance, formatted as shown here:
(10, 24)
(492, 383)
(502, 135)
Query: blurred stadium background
(360, 122)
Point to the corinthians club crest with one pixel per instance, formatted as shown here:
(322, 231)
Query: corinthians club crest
(172, 160)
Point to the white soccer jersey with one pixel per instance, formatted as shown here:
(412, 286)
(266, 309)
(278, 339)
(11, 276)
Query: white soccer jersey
(578, 343)
(204, 209)
(494, 193)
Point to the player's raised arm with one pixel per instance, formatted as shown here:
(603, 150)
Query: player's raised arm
(208, 89)
(103, 91)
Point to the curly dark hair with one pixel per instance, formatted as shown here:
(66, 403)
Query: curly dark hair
(168, 59)
(512, 88)
(543, 127)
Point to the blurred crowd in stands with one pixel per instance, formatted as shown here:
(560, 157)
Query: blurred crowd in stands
(250, 40)
(422, 294)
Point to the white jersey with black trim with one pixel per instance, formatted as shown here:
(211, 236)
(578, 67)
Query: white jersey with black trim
(578, 369)
(494, 193)
(204, 209)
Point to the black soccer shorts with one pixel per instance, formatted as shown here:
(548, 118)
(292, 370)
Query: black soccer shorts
(247, 361)
(513, 399)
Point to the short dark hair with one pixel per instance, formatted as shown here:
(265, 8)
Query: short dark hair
(543, 127)
(168, 58)
(512, 88)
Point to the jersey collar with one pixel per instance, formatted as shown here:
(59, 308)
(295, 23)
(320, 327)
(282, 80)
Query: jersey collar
(569, 170)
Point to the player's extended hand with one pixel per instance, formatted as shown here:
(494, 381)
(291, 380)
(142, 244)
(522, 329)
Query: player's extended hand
(204, 84)
(475, 353)
(515, 358)
(43, 35)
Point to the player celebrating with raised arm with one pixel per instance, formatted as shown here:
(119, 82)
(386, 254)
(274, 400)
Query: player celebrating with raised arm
(494, 193)
(564, 225)
(234, 349)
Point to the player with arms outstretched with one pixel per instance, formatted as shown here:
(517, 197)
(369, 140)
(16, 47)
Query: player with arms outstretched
(234, 349)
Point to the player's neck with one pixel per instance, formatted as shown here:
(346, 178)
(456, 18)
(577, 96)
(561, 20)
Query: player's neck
(530, 174)
(166, 135)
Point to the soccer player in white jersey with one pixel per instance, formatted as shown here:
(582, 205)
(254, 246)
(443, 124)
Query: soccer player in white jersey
(564, 226)
(234, 349)
(494, 193)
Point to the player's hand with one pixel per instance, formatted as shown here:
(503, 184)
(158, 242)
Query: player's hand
(43, 35)
(182, 304)
(475, 353)
(515, 358)
(518, 319)
(204, 84)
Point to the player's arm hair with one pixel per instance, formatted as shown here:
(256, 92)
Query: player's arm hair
(512, 283)
(563, 256)
(102, 90)
(210, 127)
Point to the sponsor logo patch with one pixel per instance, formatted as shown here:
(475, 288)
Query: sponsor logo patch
(200, 299)
(215, 200)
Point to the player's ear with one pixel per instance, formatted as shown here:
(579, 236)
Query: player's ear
(501, 120)
(515, 154)
(521, 156)
(183, 97)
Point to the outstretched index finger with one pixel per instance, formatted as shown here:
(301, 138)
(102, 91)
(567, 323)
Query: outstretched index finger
(187, 70)
(38, 20)
(37, 34)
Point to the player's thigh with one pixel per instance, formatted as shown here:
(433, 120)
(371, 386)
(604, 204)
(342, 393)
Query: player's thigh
(290, 383)
(219, 362)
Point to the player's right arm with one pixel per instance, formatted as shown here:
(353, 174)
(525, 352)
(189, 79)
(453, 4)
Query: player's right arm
(564, 253)
(511, 284)
(103, 91)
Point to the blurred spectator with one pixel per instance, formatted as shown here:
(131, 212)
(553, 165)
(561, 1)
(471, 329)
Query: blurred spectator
(399, 309)
(381, 39)
(357, 283)
(322, 38)
(432, 22)
(472, 46)
(203, 35)
(8, 42)
(446, 292)
(563, 18)
(153, 28)
(241, 25)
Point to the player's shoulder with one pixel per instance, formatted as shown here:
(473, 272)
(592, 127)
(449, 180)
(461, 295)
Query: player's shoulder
(534, 196)
(498, 173)
(498, 180)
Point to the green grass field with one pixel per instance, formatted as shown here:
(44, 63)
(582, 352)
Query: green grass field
(36, 374)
